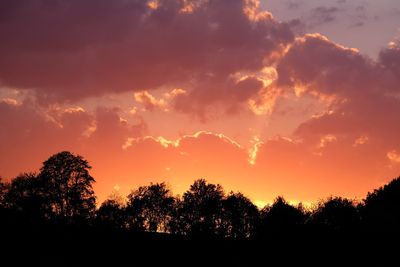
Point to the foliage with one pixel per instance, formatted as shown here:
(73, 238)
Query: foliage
(381, 209)
(62, 194)
(202, 209)
(240, 216)
(111, 214)
(150, 208)
(67, 186)
(25, 195)
(281, 216)
(336, 213)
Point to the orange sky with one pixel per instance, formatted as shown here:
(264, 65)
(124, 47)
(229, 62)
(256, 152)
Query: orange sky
(179, 90)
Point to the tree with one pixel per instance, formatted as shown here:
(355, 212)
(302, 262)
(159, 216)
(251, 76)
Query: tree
(381, 209)
(281, 216)
(202, 209)
(149, 208)
(240, 216)
(111, 214)
(24, 198)
(67, 187)
(336, 214)
(179, 223)
(24, 194)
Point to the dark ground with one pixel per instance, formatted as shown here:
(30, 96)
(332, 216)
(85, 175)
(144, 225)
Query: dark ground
(88, 247)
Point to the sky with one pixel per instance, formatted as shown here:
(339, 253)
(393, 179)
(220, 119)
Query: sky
(299, 99)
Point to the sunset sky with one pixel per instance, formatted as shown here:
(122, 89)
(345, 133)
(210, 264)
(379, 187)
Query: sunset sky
(299, 98)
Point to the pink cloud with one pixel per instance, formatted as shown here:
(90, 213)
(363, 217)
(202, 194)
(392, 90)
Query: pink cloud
(74, 49)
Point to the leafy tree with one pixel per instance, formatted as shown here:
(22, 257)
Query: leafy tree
(24, 198)
(202, 207)
(149, 208)
(179, 223)
(281, 216)
(381, 209)
(336, 214)
(111, 214)
(240, 216)
(67, 186)
(24, 194)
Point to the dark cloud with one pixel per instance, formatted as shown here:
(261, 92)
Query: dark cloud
(365, 94)
(73, 49)
(357, 24)
(229, 92)
(322, 15)
(293, 5)
(390, 60)
(319, 65)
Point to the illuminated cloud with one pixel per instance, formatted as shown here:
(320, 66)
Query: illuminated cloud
(226, 62)
(329, 138)
(10, 101)
(393, 156)
(256, 143)
(149, 102)
(319, 66)
(73, 49)
(361, 140)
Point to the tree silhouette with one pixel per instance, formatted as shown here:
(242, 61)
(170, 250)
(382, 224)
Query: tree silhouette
(111, 214)
(149, 208)
(336, 214)
(381, 209)
(179, 223)
(67, 187)
(25, 196)
(280, 217)
(62, 193)
(202, 209)
(240, 216)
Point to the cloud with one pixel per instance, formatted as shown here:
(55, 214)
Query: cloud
(316, 64)
(394, 156)
(389, 58)
(358, 127)
(316, 162)
(321, 15)
(33, 133)
(69, 50)
(293, 5)
(243, 90)
(149, 102)
(363, 90)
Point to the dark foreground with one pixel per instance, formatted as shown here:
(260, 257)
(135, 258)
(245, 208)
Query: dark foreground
(51, 219)
(91, 247)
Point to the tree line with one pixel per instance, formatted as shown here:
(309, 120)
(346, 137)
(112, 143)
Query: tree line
(61, 194)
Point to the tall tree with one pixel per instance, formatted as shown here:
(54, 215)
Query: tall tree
(202, 206)
(149, 208)
(67, 186)
(381, 209)
(240, 216)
